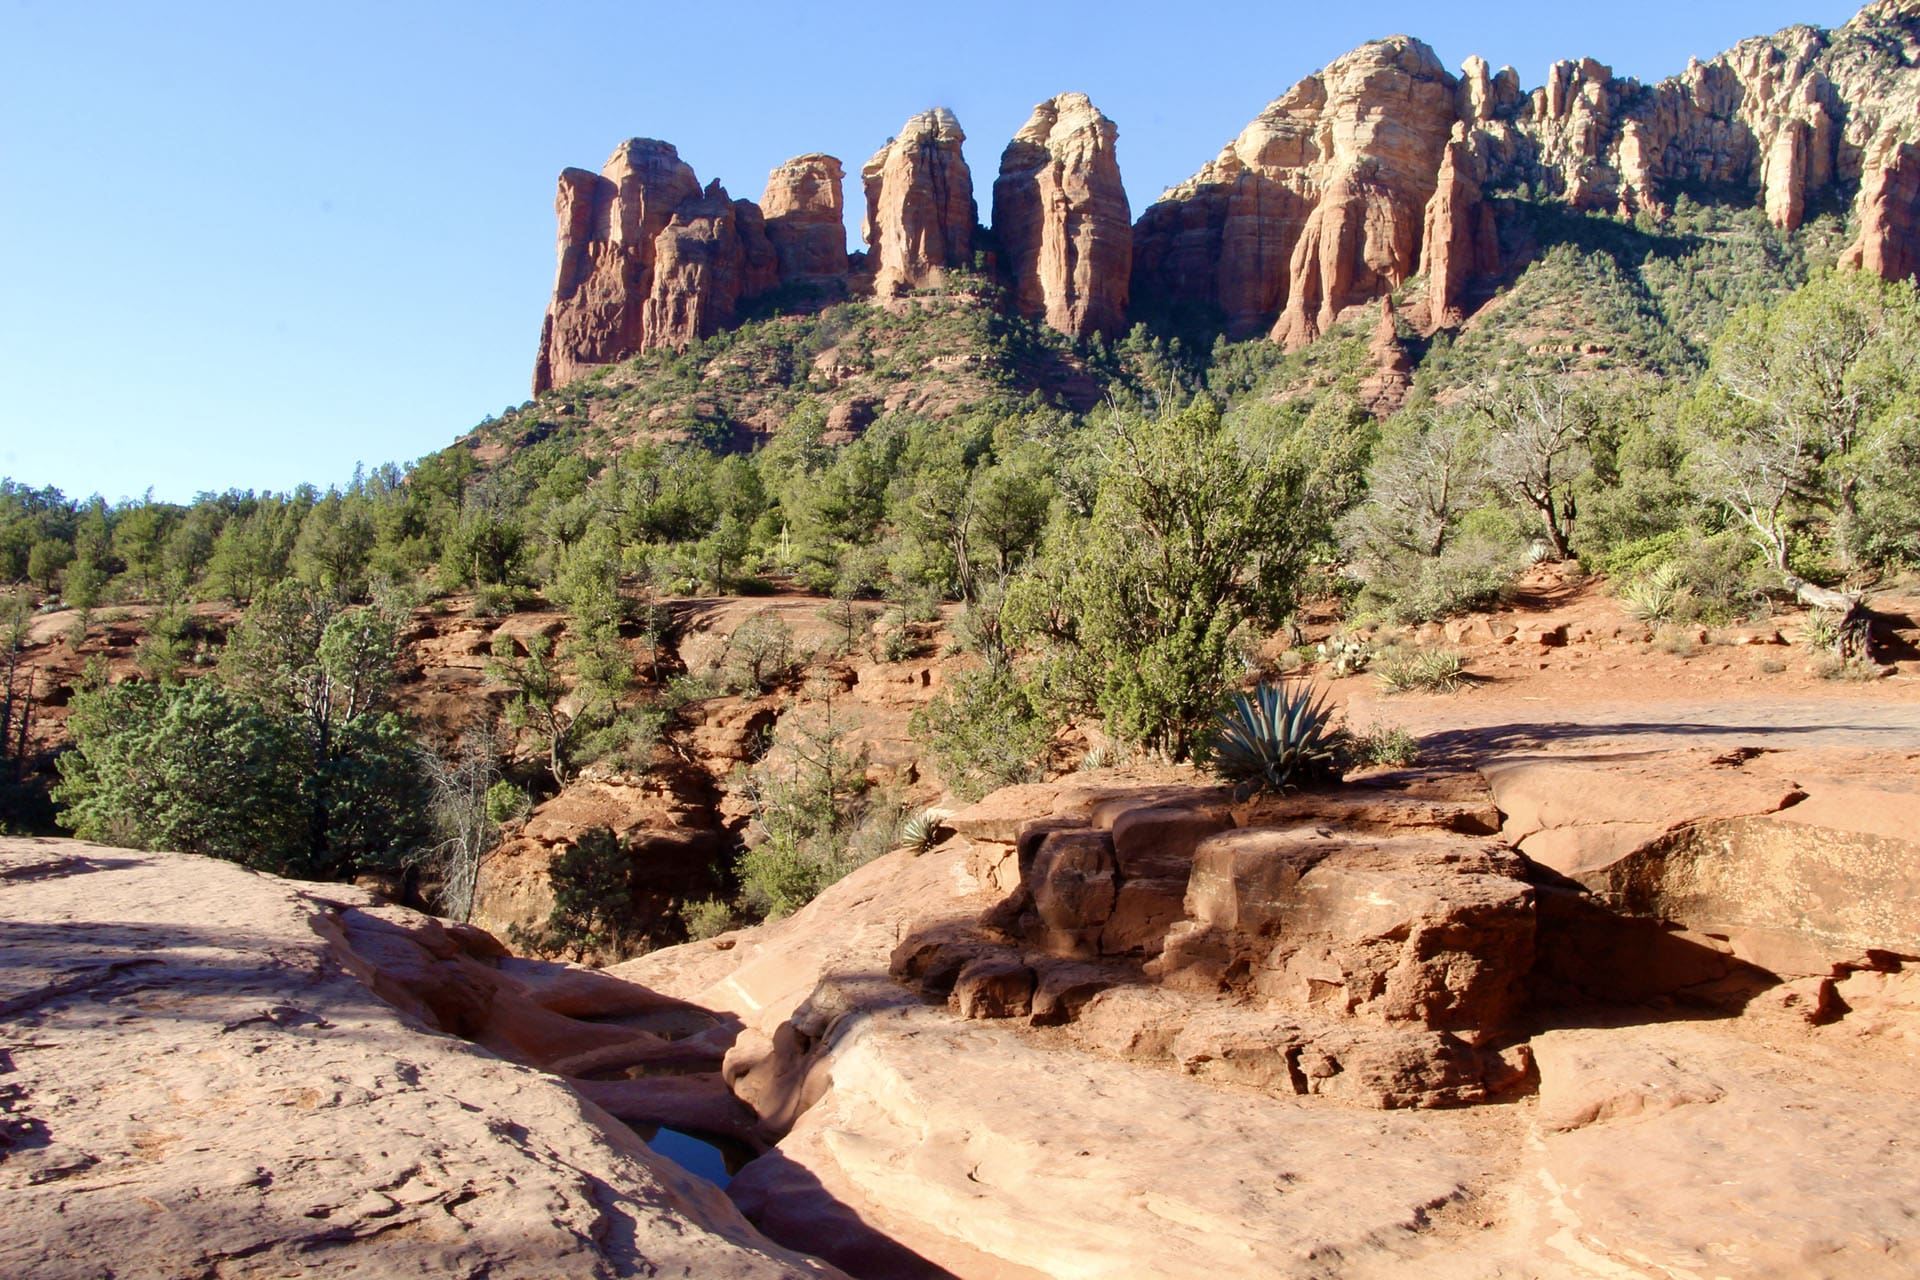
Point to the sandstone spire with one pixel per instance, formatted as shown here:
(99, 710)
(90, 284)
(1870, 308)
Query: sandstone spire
(1061, 217)
(806, 220)
(647, 258)
(920, 210)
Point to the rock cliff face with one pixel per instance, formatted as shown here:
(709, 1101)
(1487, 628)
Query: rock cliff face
(1061, 216)
(1316, 204)
(1380, 169)
(1335, 192)
(920, 210)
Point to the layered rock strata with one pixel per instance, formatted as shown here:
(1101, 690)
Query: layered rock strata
(1093, 972)
(1383, 162)
(647, 258)
(1060, 216)
(920, 210)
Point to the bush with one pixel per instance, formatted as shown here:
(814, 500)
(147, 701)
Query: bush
(592, 899)
(759, 654)
(1472, 573)
(1691, 576)
(1381, 744)
(626, 742)
(505, 803)
(707, 918)
(985, 730)
(922, 831)
(1422, 670)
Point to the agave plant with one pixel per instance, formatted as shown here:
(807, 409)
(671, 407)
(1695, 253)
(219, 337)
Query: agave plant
(1276, 737)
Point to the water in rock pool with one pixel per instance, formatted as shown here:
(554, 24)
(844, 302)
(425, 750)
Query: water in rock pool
(698, 1155)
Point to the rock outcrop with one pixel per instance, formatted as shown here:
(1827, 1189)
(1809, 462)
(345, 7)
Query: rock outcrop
(805, 211)
(1061, 218)
(1385, 118)
(1321, 984)
(711, 254)
(920, 210)
(1383, 162)
(1459, 242)
(211, 1072)
(1889, 209)
(648, 258)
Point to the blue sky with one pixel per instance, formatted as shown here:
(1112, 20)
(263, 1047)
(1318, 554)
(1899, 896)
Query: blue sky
(249, 245)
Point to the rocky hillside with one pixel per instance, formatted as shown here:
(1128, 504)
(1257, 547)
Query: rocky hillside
(1382, 175)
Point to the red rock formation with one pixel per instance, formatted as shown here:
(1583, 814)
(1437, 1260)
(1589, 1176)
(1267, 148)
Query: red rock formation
(610, 299)
(1221, 240)
(1889, 243)
(1061, 217)
(1387, 118)
(806, 220)
(1385, 390)
(1459, 240)
(607, 229)
(920, 210)
(1315, 206)
(713, 253)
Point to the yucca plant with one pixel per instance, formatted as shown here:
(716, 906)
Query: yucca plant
(1277, 737)
(921, 831)
(1658, 596)
(1423, 671)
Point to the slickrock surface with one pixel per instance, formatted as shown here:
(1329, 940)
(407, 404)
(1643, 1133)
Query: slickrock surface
(194, 1082)
(1244, 1079)
(1060, 213)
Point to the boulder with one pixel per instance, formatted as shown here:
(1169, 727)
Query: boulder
(1435, 930)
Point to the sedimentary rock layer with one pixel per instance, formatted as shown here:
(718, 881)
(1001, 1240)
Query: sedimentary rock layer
(920, 210)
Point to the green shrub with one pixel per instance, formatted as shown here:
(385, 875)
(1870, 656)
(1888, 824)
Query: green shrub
(1472, 573)
(592, 899)
(1382, 744)
(922, 831)
(505, 803)
(759, 654)
(707, 918)
(985, 730)
(1659, 596)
